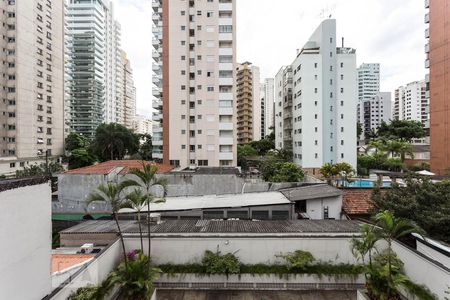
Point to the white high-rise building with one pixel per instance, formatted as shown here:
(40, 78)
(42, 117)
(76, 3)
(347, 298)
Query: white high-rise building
(368, 88)
(377, 110)
(94, 86)
(142, 125)
(324, 101)
(195, 59)
(32, 85)
(411, 103)
(128, 93)
(267, 106)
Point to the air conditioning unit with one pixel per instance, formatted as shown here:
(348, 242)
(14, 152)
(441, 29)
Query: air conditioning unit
(87, 248)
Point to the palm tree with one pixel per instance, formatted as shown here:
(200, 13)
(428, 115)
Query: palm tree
(110, 193)
(378, 145)
(136, 200)
(365, 245)
(328, 171)
(391, 228)
(146, 179)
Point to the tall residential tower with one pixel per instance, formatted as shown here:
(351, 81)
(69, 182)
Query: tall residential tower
(32, 86)
(195, 50)
(267, 106)
(93, 66)
(316, 99)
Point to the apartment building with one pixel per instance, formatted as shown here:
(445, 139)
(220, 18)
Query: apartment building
(95, 79)
(248, 110)
(267, 106)
(128, 93)
(283, 108)
(142, 125)
(195, 42)
(411, 103)
(368, 88)
(31, 105)
(378, 109)
(324, 97)
(438, 83)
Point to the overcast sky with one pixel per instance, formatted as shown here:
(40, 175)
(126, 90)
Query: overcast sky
(389, 32)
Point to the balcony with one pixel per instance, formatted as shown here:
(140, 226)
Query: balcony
(225, 96)
(225, 66)
(427, 18)
(225, 51)
(225, 126)
(225, 36)
(427, 33)
(226, 141)
(225, 111)
(427, 3)
(427, 48)
(225, 6)
(226, 81)
(427, 63)
(225, 155)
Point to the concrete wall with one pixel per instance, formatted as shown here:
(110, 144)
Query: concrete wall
(250, 250)
(94, 273)
(433, 254)
(25, 235)
(423, 271)
(73, 189)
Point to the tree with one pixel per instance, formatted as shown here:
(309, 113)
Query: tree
(263, 146)
(243, 153)
(365, 245)
(390, 228)
(421, 200)
(76, 141)
(399, 148)
(331, 171)
(114, 141)
(146, 179)
(288, 172)
(146, 146)
(404, 130)
(328, 172)
(42, 169)
(111, 193)
(136, 200)
(80, 157)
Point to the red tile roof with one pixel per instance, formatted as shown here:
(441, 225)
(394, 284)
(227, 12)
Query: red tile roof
(62, 262)
(357, 201)
(107, 166)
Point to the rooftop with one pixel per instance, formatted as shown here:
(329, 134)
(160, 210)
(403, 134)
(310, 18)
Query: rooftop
(218, 201)
(221, 226)
(9, 184)
(61, 262)
(311, 192)
(357, 201)
(121, 167)
(210, 171)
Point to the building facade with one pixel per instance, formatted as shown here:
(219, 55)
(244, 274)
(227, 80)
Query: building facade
(378, 109)
(324, 96)
(368, 88)
(93, 66)
(143, 125)
(128, 93)
(411, 103)
(267, 106)
(283, 108)
(438, 59)
(248, 110)
(196, 41)
(32, 109)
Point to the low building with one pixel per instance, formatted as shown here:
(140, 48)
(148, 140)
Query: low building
(25, 232)
(316, 202)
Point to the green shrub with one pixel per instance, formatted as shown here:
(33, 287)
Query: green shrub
(216, 263)
(298, 259)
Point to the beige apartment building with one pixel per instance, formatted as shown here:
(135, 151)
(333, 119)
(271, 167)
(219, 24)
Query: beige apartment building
(32, 82)
(195, 51)
(128, 103)
(248, 109)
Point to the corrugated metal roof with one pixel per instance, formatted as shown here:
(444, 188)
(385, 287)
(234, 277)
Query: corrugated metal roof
(221, 226)
(311, 192)
(218, 201)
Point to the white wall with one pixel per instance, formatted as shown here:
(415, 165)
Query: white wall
(250, 250)
(433, 254)
(25, 235)
(314, 208)
(422, 271)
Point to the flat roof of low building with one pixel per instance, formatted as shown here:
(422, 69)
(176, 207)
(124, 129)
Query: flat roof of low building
(221, 226)
(314, 191)
(62, 261)
(217, 201)
(9, 184)
(122, 167)
(209, 171)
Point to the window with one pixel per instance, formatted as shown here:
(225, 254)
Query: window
(183, 146)
(342, 64)
(183, 117)
(342, 90)
(342, 142)
(183, 87)
(225, 28)
(210, 89)
(183, 28)
(342, 129)
(316, 155)
(315, 66)
(342, 76)
(183, 13)
(183, 43)
(209, 14)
